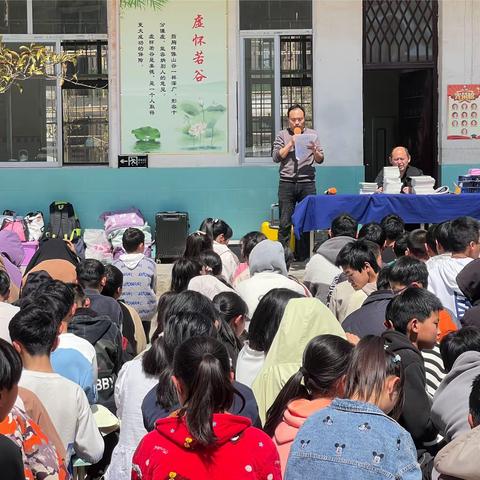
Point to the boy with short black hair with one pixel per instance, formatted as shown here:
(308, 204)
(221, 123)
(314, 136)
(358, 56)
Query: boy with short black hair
(91, 276)
(360, 262)
(139, 276)
(417, 244)
(412, 318)
(394, 228)
(34, 335)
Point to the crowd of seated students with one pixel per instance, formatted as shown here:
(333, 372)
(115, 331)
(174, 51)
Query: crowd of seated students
(368, 367)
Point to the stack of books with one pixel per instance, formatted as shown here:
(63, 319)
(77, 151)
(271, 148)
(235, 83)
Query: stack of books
(423, 185)
(391, 180)
(367, 188)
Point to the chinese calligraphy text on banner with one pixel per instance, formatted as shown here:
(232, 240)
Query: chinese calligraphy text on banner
(173, 78)
(463, 112)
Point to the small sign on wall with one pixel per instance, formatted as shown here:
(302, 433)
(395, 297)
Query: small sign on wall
(463, 122)
(133, 161)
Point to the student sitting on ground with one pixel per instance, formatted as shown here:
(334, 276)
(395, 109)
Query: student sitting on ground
(91, 276)
(247, 243)
(318, 381)
(221, 233)
(394, 228)
(369, 319)
(202, 441)
(360, 261)
(357, 437)
(139, 276)
(183, 270)
(413, 319)
(268, 271)
(303, 319)
(106, 339)
(197, 242)
(190, 314)
(40, 460)
(263, 328)
(321, 268)
(34, 335)
(459, 459)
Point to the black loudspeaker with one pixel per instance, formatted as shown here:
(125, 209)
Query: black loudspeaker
(171, 231)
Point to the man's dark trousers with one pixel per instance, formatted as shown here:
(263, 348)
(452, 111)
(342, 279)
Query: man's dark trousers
(289, 194)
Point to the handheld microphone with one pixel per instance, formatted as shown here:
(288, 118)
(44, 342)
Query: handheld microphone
(297, 131)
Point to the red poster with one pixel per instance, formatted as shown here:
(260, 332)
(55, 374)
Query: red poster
(463, 122)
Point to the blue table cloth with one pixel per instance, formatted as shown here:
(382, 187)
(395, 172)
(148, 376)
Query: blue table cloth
(316, 212)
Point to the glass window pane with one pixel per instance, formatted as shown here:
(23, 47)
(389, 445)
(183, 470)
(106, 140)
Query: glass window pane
(28, 121)
(259, 97)
(69, 16)
(85, 125)
(275, 14)
(296, 75)
(85, 105)
(13, 16)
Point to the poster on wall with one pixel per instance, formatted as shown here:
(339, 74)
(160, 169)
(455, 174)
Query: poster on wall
(463, 112)
(173, 76)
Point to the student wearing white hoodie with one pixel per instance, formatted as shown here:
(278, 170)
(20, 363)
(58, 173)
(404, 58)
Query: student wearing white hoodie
(268, 271)
(463, 240)
(221, 233)
(139, 276)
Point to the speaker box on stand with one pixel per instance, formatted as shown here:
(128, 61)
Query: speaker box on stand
(171, 231)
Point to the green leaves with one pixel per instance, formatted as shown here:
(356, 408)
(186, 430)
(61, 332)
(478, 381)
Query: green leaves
(147, 134)
(31, 61)
(155, 4)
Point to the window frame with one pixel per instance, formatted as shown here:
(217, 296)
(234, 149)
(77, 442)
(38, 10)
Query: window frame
(55, 40)
(275, 34)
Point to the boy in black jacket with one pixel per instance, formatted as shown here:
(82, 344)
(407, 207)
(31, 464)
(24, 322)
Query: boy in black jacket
(413, 321)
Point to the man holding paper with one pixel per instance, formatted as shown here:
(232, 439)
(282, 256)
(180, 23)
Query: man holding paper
(296, 149)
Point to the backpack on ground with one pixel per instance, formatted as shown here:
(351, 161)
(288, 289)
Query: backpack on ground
(13, 223)
(63, 222)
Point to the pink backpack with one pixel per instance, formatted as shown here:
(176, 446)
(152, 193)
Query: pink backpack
(130, 217)
(16, 225)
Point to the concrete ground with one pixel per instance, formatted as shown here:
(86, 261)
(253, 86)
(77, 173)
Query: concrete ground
(164, 273)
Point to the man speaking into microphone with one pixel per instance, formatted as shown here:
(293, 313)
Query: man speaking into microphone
(297, 171)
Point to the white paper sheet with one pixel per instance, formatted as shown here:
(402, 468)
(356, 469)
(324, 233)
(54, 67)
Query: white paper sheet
(301, 143)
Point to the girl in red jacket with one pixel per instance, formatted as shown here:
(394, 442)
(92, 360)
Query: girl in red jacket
(200, 441)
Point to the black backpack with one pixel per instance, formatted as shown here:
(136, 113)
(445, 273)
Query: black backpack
(63, 222)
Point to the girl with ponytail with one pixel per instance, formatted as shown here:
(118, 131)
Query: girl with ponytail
(318, 381)
(200, 441)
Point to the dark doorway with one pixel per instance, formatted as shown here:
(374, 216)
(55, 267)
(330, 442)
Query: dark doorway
(398, 109)
(400, 86)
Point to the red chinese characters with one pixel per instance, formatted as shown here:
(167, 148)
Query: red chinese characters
(198, 40)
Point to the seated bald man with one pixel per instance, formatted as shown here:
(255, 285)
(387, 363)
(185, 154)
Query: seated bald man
(400, 158)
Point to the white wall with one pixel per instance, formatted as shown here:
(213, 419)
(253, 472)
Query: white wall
(458, 62)
(337, 74)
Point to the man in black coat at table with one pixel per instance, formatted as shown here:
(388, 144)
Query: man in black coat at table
(400, 158)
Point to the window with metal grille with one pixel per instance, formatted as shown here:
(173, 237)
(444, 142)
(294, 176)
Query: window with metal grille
(85, 105)
(399, 31)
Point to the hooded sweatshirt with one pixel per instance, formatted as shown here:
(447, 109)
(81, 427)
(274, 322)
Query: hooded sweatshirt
(241, 452)
(228, 258)
(268, 271)
(459, 459)
(106, 338)
(416, 417)
(321, 269)
(208, 285)
(294, 417)
(303, 319)
(139, 283)
(450, 403)
(468, 281)
(442, 281)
